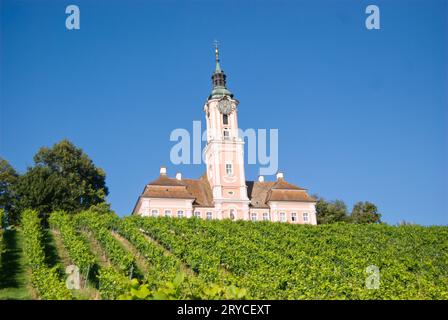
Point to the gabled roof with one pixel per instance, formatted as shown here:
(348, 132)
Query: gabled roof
(200, 189)
(164, 180)
(283, 185)
(179, 192)
(259, 193)
(166, 187)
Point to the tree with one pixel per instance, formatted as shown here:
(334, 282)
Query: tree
(8, 178)
(63, 178)
(331, 212)
(365, 212)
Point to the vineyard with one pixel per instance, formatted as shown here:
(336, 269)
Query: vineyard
(172, 258)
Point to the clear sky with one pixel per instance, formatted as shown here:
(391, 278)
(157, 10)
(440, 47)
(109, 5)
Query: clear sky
(362, 114)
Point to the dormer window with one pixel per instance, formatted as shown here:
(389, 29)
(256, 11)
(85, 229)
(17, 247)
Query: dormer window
(225, 119)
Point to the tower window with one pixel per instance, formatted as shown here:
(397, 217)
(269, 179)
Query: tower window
(229, 169)
(225, 119)
(226, 134)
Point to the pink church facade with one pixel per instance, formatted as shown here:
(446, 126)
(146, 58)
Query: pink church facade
(223, 191)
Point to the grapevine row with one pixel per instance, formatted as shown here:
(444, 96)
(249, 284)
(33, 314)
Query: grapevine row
(74, 243)
(164, 267)
(199, 253)
(44, 279)
(97, 225)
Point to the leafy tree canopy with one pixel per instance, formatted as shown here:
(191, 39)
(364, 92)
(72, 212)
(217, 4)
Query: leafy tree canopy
(63, 178)
(365, 212)
(331, 211)
(8, 177)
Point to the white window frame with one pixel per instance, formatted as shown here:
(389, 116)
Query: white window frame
(167, 213)
(265, 216)
(231, 169)
(180, 213)
(294, 217)
(197, 214)
(305, 217)
(209, 215)
(154, 213)
(282, 216)
(253, 216)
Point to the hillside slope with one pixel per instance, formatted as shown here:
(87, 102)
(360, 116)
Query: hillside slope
(260, 260)
(284, 261)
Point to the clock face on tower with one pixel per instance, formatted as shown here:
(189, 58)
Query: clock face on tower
(225, 106)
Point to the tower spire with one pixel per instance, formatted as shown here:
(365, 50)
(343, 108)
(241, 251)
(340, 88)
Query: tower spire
(218, 67)
(219, 78)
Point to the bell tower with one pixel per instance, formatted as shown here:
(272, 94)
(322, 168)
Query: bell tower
(224, 152)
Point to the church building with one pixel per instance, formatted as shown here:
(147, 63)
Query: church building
(223, 192)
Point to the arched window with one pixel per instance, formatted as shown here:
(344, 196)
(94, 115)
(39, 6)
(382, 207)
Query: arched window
(232, 214)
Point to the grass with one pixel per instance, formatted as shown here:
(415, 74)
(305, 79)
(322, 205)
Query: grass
(52, 258)
(14, 278)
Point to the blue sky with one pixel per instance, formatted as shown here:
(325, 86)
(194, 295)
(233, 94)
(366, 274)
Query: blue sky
(362, 115)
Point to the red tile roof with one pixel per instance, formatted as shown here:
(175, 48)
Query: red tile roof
(259, 193)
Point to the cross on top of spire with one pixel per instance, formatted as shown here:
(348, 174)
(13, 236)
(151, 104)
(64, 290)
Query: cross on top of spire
(216, 43)
(218, 67)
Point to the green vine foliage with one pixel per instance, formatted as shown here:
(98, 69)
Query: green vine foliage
(112, 284)
(201, 259)
(172, 290)
(99, 225)
(77, 247)
(44, 279)
(284, 261)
